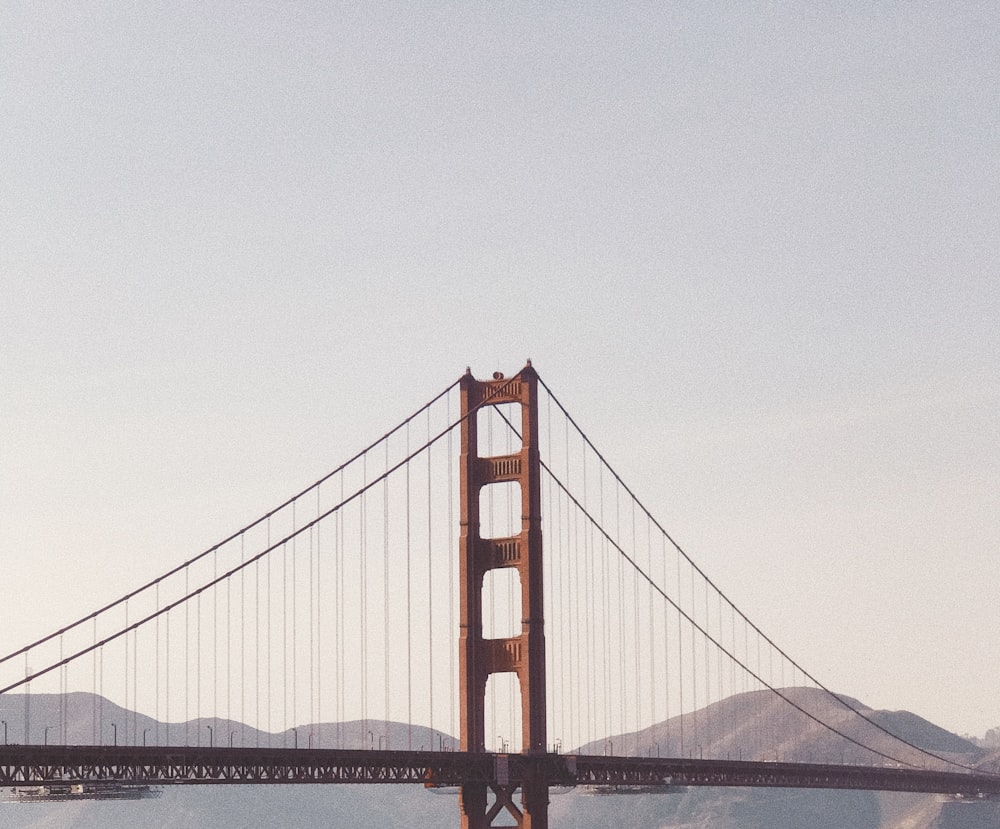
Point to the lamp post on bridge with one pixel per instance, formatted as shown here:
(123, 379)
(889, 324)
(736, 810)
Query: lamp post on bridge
(114, 727)
(211, 736)
(4, 731)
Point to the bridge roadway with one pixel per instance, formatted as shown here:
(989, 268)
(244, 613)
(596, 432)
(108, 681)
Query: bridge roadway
(158, 766)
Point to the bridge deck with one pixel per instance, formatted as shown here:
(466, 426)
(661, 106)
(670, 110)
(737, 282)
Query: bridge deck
(152, 765)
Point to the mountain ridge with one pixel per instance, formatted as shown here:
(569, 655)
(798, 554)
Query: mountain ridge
(746, 720)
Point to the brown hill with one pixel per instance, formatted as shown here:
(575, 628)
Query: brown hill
(809, 725)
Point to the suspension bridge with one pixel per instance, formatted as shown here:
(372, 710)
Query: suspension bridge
(475, 600)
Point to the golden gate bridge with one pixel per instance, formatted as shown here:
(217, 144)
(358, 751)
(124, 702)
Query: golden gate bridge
(480, 570)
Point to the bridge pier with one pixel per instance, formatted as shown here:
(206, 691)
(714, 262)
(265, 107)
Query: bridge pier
(535, 801)
(472, 801)
(523, 655)
(478, 813)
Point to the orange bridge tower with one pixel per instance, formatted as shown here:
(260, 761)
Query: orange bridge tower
(524, 654)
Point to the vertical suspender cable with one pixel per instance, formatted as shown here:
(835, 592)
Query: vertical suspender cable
(585, 584)
(93, 725)
(125, 654)
(135, 685)
(652, 629)
(62, 696)
(65, 724)
(156, 672)
(604, 620)
(243, 645)
(100, 660)
(258, 669)
(284, 634)
(166, 679)
(573, 646)
(187, 660)
(637, 636)
(666, 647)
(622, 667)
(747, 680)
(268, 686)
(555, 564)
(430, 585)
(581, 708)
(694, 667)
(315, 630)
(718, 654)
(27, 700)
(770, 681)
(569, 627)
(760, 708)
(732, 664)
(680, 658)
(409, 632)
(706, 646)
(197, 672)
(319, 599)
(339, 617)
(364, 604)
(385, 585)
(215, 636)
(229, 649)
(283, 649)
(295, 623)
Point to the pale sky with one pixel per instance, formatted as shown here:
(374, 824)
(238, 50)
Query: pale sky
(754, 250)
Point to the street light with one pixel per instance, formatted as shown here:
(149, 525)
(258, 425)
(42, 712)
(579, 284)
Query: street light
(211, 736)
(4, 731)
(231, 738)
(144, 731)
(295, 733)
(115, 727)
(45, 741)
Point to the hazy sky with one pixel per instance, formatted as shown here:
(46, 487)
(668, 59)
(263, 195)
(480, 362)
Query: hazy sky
(755, 250)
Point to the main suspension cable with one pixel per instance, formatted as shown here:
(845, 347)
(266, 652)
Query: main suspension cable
(180, 567)
(695, 568)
